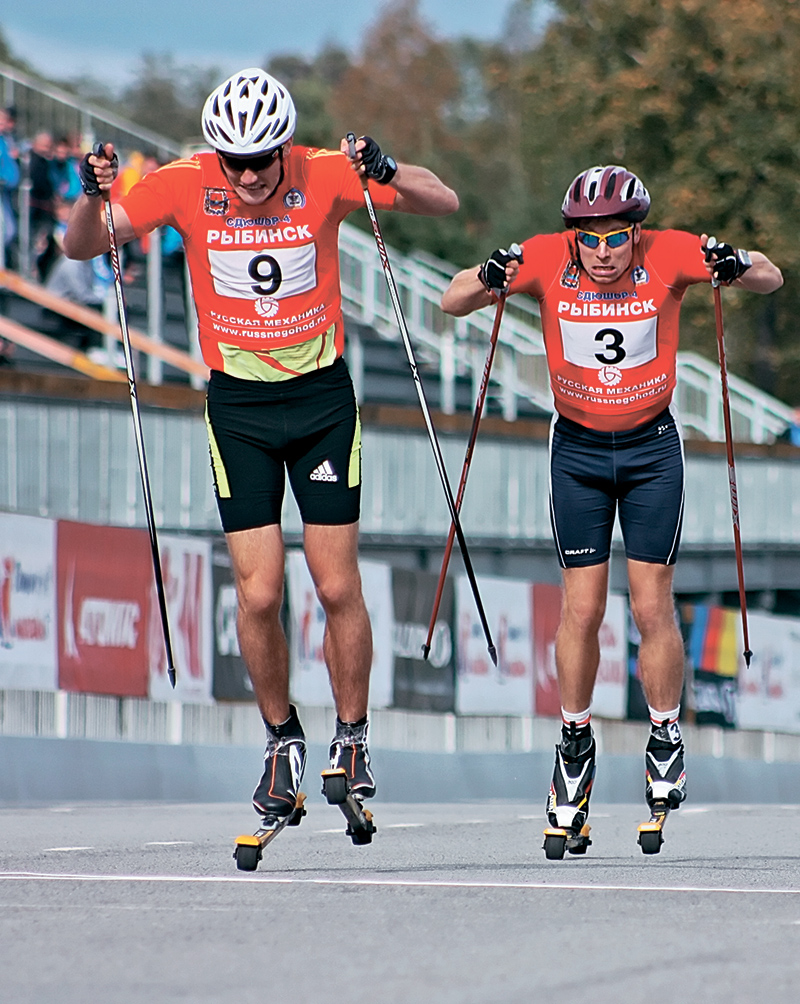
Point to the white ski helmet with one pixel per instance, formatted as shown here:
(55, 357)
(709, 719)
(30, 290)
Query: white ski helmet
(248, 114)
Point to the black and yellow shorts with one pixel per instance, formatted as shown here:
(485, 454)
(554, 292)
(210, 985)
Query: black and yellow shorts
(308, 426)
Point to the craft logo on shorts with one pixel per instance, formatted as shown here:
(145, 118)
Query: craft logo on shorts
(609, 375)
(216, 202)
(267, 306)
(294, 199)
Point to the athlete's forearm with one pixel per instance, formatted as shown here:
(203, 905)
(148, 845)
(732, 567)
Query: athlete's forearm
(420, 191)
(465, 293)
(87, 235)
(762, 276)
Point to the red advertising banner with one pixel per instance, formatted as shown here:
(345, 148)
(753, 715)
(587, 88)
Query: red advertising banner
(104, 576)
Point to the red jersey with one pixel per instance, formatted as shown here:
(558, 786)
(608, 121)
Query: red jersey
(265, 278)
(611, 349)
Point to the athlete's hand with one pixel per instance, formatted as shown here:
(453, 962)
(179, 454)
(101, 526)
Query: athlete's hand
(98, 169)
(368, 159)
(725, 262)
(500, 268)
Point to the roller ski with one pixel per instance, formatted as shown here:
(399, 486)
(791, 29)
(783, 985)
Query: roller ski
(665, 783)
(277, 799)
(249, 848)
(568, 802)
(349, 780)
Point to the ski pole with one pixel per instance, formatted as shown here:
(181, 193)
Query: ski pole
(437, 452)
(726, 415)
(138, 435)
(476, 421)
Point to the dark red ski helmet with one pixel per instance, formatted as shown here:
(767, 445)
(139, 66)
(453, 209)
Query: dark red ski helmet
(606, 191)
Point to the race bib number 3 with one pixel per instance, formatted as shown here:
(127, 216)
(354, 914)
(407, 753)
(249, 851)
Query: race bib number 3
(275, 272)
(624, 344)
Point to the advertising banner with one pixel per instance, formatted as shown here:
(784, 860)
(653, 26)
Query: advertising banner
(28, 623)
(230, 681)
(186, 571)
(769, 689)
(104, 581)
(611, 686)
(481, 687)
(422, 684)
(714, 647)
(308, 672)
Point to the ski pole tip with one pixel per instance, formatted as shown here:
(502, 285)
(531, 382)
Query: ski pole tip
(748, 655)
(493, 654)
(426, 650)
(171, 674)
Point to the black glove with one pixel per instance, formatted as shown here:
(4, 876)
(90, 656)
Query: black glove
(378, 167)
(493, 271)
(731, 262)
(86, 171)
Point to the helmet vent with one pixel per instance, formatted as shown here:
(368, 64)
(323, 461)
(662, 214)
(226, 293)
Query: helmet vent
(612, 179)
(592, 193)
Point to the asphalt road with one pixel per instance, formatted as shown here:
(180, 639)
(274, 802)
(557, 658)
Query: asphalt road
(115, 904)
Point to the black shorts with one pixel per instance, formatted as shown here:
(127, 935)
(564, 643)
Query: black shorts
(639, 472)
(308, 426)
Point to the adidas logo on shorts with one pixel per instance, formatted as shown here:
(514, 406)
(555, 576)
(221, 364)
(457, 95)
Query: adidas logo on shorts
(324, 472)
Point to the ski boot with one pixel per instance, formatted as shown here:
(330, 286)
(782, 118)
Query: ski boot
(277, 798)
(349, 780)
(568, 802)
(665, 785)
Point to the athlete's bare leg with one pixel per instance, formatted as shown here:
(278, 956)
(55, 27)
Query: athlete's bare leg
(258, 566)
(332, 556)
(661, 648)
(577, 644)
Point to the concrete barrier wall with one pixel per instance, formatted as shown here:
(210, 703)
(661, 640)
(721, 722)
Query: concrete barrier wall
(51, 771)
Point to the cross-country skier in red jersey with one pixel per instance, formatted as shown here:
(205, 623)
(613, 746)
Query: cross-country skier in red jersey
(610, 293)
(259, 218)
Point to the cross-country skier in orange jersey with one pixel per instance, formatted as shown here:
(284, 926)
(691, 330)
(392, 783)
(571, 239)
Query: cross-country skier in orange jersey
(259, 217)
(610, 294)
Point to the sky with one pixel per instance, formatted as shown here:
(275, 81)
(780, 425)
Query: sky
(81, 37)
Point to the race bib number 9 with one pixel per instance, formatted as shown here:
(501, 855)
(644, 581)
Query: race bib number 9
(275, 272)
(624, 344)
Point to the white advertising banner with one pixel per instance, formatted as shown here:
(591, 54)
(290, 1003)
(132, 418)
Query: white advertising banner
(769, 689)
(481, 687)
(28, 623)
(186, 570)
(309, 675)
(610, 698)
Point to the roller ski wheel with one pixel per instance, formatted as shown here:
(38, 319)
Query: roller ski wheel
(249, 848)
(336, 789)
(651, 833)
(558, 840)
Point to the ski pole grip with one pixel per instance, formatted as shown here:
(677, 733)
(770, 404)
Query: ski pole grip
(351, 142)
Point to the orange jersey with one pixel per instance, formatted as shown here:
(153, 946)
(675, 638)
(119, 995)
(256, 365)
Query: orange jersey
(611, 349)
(265, 278)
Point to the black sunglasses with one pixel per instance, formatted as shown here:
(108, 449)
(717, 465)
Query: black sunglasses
(255, 164)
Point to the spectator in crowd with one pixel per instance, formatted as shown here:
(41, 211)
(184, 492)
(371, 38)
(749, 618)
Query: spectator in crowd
(42, 192)
(64, 171)
(82, 282)
(9, 180)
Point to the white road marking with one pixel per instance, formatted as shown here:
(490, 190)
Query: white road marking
(401, 826)
(169, 843)
(46, 849)
(389, 883)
